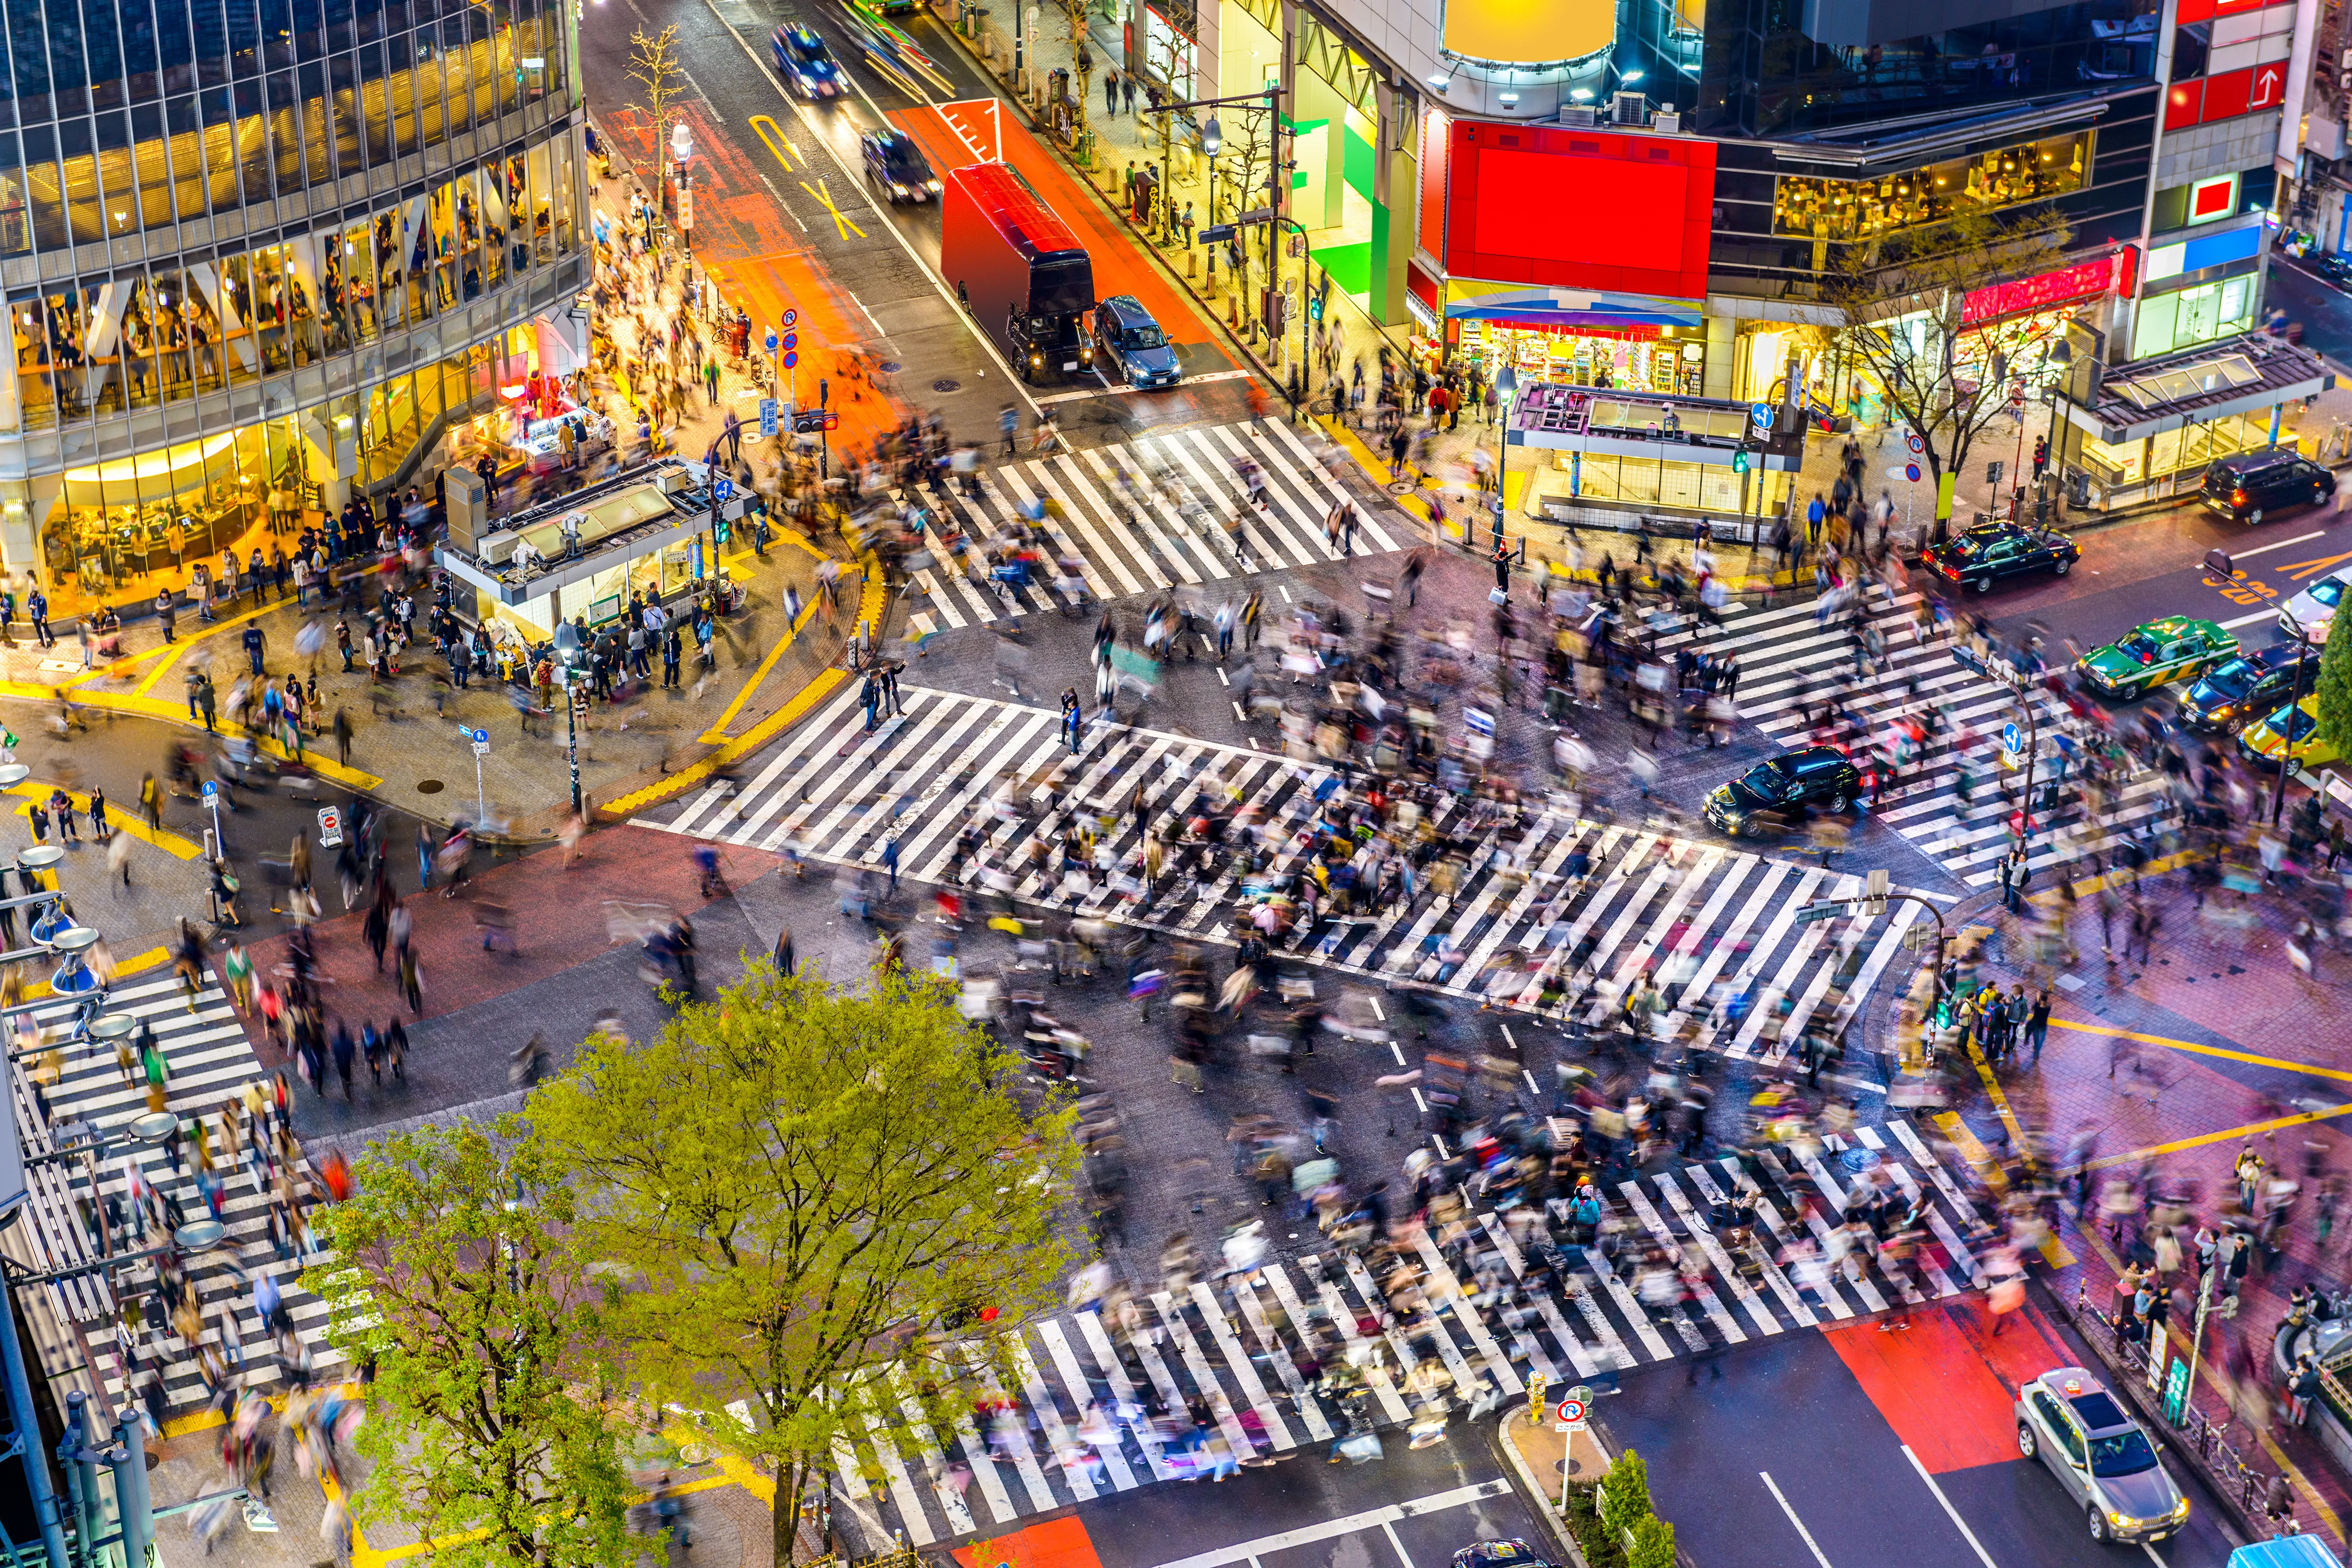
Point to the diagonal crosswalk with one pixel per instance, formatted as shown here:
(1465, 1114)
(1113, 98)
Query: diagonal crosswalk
(1141, 537)
(1787, 659)
(1264, 1361)
(210, 1062)
(953, 784)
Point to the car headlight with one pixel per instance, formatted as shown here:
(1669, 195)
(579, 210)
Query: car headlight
(932, 186)
(2180, 1509)
(2120, 1521)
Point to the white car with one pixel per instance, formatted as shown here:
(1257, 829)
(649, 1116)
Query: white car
(2314, 608)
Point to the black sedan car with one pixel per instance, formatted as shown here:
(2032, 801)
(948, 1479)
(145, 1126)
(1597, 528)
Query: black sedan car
(2250, 686)
(1990, 552)
(1507, 1552)
(1811, 777)
(894, 162)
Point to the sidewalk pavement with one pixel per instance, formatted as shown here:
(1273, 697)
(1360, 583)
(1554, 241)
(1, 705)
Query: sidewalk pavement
(2177, 1063)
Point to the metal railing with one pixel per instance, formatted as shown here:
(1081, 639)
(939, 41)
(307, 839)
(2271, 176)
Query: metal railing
(2225, 1467)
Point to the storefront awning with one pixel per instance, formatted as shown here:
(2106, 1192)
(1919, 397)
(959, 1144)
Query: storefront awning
(2213, 381)
(1570, 310)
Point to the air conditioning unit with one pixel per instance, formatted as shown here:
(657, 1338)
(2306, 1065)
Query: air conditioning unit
(1628, 109)
(1581, 115)
(1667, 121)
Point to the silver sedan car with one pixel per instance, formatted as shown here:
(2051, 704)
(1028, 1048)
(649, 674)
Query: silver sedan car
(2100, 1456)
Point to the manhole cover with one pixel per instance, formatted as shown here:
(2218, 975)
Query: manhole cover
(1400, 487)
(428, 786)
(891, 367)
(1858, 1160)
(948, 384)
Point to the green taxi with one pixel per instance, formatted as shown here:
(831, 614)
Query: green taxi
(2178, 647)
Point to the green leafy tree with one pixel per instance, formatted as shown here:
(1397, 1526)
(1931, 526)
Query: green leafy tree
(1654, 1543)
(813, 1196)
(2335, 691)
(456, 1269)
(1625, 1493)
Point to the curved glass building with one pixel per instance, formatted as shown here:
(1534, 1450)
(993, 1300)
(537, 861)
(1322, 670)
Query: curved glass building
(258, 247)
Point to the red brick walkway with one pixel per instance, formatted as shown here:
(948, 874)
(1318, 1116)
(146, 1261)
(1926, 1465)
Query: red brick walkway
(559, 921)
(2274, 1059)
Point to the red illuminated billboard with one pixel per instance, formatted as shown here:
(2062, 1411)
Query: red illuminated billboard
(1578, 209)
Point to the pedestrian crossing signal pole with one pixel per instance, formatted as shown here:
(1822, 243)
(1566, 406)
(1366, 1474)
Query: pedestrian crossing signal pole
(1535, 1399)
(573, 699)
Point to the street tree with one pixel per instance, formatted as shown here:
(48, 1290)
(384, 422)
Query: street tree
(657, 65)
(817, 1201)
(457, 1272)
(2334, 688)
(1898, 304)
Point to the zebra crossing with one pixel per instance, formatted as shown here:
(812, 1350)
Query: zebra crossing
(1142, 542)
(1077, 1426)
(1785, 655)
(87, 1099)
(1537, 893)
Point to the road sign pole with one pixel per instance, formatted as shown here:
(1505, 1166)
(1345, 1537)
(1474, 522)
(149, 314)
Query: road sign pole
(481, 796)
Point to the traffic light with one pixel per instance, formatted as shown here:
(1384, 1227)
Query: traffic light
(720, 527)
(1739, 461)
(809, 421)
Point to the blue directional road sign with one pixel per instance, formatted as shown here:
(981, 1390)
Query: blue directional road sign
(766, 416)
(1762, 413)
(212, 793)
(2010, 739)
(724, 489)
(772, 340)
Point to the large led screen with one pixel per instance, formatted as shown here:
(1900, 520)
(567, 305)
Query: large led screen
(1529, 30)
(1578, 209)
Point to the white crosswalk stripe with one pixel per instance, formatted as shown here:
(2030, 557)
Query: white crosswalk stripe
(1137, 541)
(1715, 926)
(1786, 658)
(1231, 1353)
(208, 1061)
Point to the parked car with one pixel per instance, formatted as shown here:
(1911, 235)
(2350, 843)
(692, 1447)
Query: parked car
(2314, 609)
(1985, 554)
(894, 162)
(807, 67)
(2230, 694)
(1126, 339)
(1809, 777)
(2178, 648)
(2251, 485)
(2100, 1455)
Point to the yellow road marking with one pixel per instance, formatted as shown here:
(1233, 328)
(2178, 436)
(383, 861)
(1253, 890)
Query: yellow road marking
(841, 220)
(869, 609)
(169, 842)
(717, 731)
(773, 136)
(147, 960)
(2307, 1068)
(2224, 1136)
(2302, 569)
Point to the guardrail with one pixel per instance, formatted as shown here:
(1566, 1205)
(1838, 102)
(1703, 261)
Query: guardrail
(2242, 1489)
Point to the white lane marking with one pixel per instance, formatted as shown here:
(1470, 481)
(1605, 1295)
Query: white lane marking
(1331, 1528)
(2275, 545)
(1806, 1535)
(1958, 1522)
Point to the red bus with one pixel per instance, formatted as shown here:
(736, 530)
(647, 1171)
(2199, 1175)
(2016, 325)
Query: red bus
(1017, 268)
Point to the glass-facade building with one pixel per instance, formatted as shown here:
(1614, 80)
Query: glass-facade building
(275, 249)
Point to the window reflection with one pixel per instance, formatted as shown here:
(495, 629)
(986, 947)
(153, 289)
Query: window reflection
(140, 338)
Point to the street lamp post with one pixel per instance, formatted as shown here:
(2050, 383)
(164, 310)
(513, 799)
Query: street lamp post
(2061, 354)
(1212, 136)
(2294, 708)
(1507, 387)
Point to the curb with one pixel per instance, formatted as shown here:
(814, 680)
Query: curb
(872, 602)
(1532, 1492)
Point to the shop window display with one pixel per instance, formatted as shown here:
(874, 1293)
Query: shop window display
(1808, 207)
